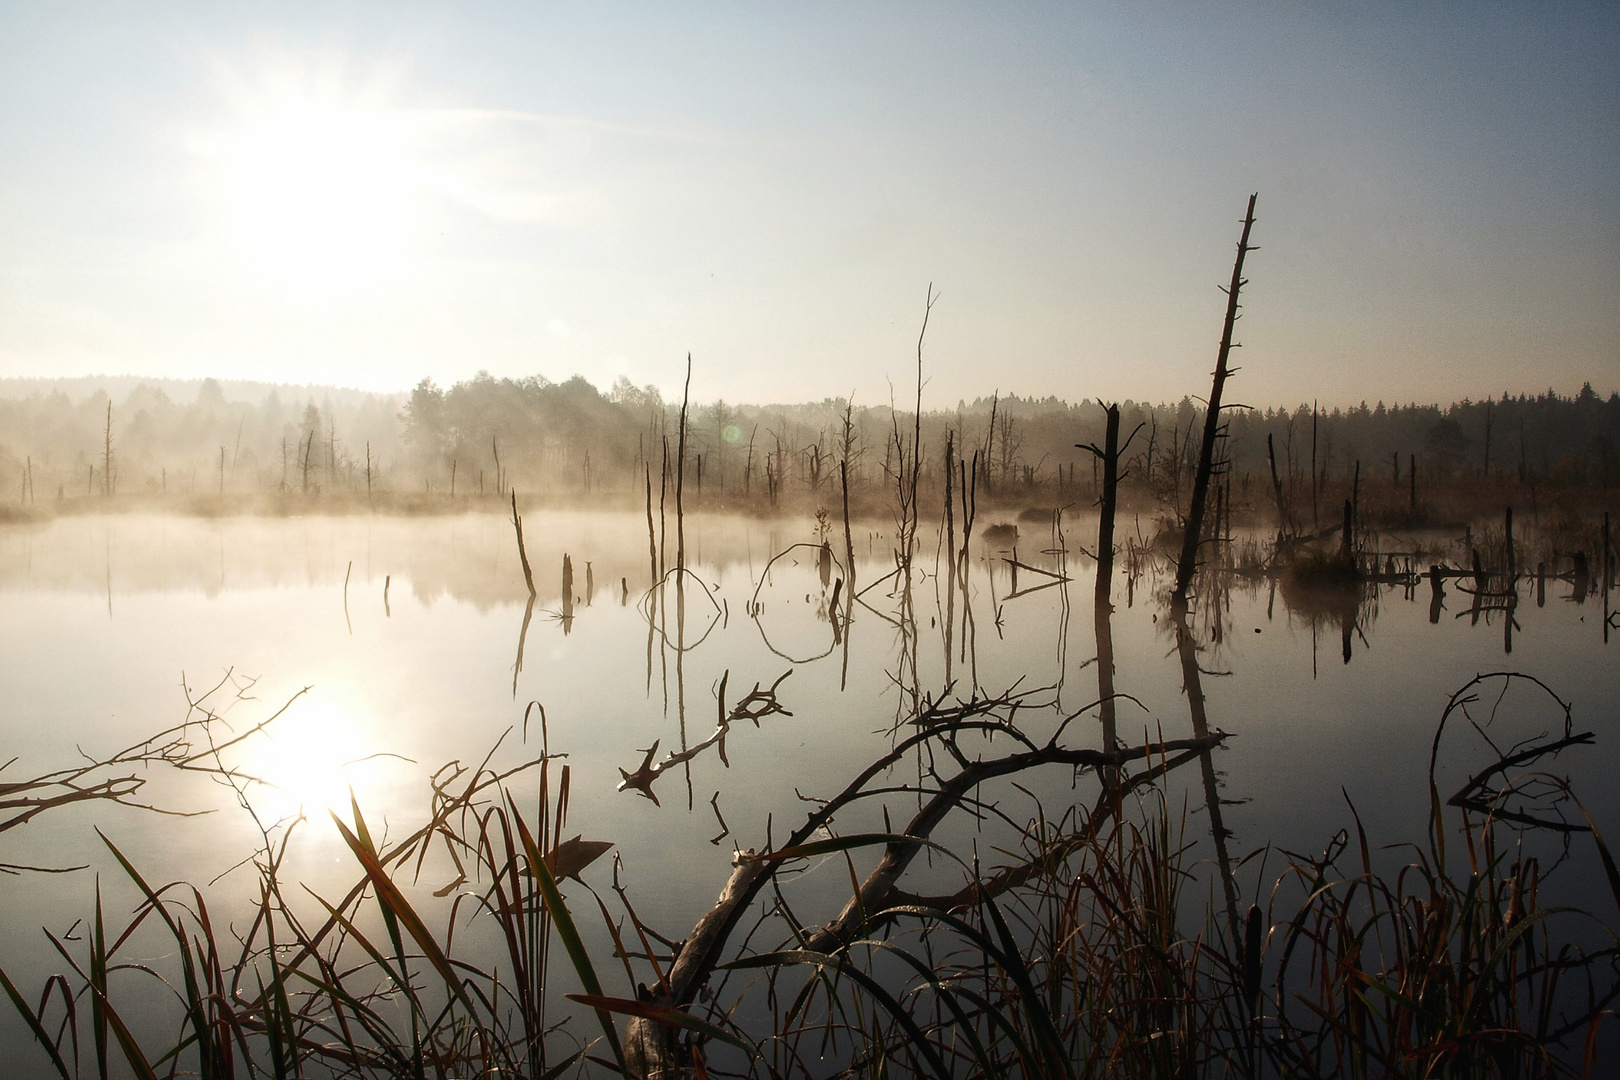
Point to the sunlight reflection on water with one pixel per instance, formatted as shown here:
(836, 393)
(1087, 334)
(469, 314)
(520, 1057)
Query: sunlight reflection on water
(407, 633)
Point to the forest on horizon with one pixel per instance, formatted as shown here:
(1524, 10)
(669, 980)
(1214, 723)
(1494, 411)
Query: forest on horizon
(569, 437)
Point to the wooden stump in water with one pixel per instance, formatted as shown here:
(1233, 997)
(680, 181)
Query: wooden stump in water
(567, 593)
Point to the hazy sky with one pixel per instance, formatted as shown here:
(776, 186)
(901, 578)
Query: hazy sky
(366, 194)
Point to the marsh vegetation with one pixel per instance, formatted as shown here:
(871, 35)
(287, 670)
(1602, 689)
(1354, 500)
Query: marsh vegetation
(789, 762)
(1106, 923)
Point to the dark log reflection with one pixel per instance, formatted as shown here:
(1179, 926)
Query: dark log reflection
(1103, 606)
(523, 635)
(1193, 686)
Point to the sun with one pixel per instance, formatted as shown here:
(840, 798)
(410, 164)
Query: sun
(320, 189)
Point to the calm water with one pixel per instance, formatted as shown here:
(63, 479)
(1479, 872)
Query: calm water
(407, 635)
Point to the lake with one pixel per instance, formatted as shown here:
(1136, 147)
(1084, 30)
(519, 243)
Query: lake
(399, 644)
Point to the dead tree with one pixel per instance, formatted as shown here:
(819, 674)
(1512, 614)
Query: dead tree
(937, 728)
(1212, 420)
(106, 456)
(309, 445)
(523, 555)
(1109, 454)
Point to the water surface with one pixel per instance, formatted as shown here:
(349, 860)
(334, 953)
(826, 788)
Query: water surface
(403, 644)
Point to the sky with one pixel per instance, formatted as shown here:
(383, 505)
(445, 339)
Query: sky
(367, 195)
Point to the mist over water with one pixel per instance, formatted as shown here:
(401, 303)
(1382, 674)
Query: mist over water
(408, 667)
(397, 643)
(108, 615)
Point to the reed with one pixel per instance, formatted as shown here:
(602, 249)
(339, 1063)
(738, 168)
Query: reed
(1088, 952)
(368, 985)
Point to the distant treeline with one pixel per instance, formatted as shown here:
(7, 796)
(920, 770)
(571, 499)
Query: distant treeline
(488, 435)
(54, 445)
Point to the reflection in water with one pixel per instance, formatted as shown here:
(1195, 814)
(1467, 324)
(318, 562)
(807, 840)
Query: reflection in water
(1192, 684)
(680, 636)
(1340, 606)
(755, 705)
(304, 761)
(825, 608)
(1103, 602)
(523, 635)
(463, 581)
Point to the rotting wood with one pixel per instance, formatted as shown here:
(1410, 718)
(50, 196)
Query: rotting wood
(875, 890)
(938, 724)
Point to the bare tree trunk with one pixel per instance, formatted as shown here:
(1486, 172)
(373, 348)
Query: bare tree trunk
(106, 456)
(849, 540)
(680, 473)
(970, 504)
(1355, 498)
(1487, 440)
(523, 556)
(1212, 420)
(1316, 522)
(909, 485)
(748, 469)
(652, 545)
(1104, 607)
(990, 444)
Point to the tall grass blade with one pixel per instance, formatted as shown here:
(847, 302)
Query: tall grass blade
(919, 1045)
(138, 1063)
(208, 1062)
(396, 906)
(273, 1032)
(1045, 1030)
(563, 922)
(968, 1029)
(98, 986)
(282, 1023)
(1609, 869)
(562, 1066)
(34, 1025)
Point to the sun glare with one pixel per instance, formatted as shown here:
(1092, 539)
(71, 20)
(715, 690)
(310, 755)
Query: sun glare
(308, 760)
(321, 191)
